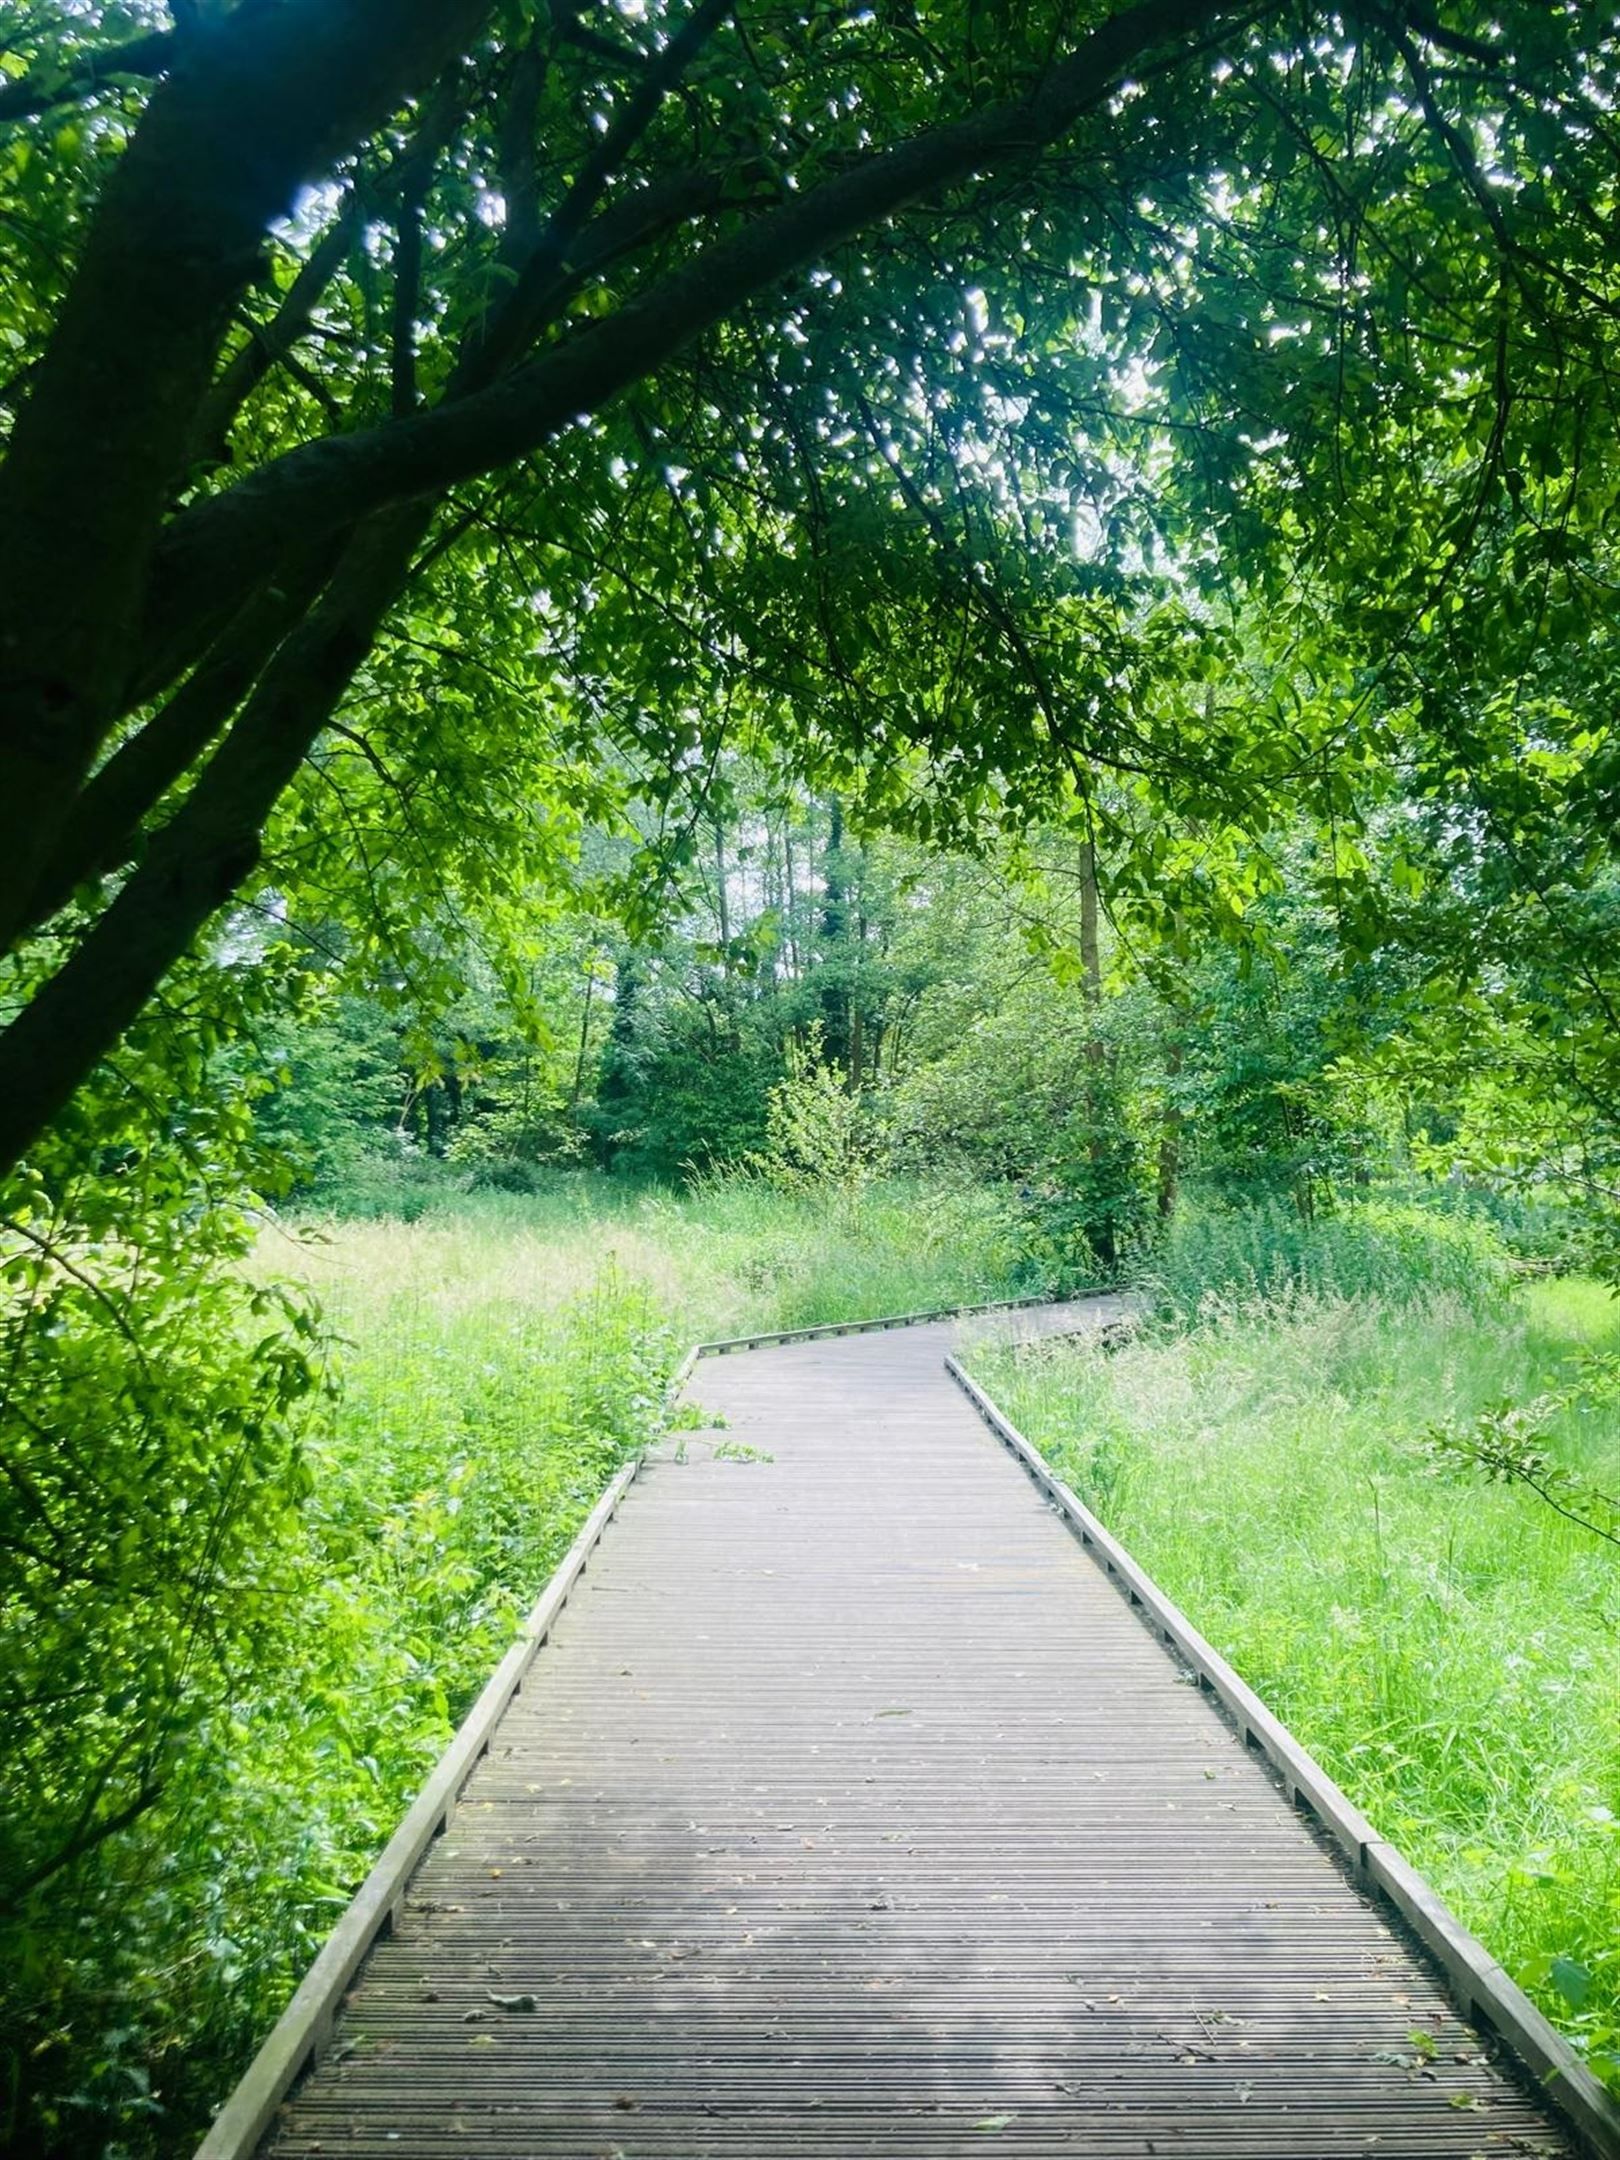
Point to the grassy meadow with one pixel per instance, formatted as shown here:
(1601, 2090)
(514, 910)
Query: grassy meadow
(726, 1256)
(1445, 1647)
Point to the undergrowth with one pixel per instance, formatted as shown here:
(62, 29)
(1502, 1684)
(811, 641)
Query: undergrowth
(470, 1437)
(723, 1256)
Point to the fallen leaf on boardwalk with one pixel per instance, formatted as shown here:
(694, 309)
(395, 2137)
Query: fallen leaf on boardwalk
(513, 2002)
(995, 2123)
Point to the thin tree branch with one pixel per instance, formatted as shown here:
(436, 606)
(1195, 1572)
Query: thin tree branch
(45, 90)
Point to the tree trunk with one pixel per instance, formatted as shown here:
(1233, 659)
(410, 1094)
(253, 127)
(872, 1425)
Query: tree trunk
(1169, 1165)
(103, 830)
(206, 851)
(584, 1040)
(1102, 1228)
(253, 106)
(722, 908)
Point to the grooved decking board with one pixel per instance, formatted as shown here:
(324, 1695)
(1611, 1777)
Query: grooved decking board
(850, 1811)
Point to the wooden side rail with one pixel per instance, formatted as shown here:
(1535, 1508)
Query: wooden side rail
(304, 2029)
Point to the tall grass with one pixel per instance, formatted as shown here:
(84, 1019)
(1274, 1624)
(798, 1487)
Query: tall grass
(1447, 1649)
(1379, 1248)
(727, 1256)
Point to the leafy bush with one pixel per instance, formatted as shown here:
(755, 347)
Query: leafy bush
(797, 1259)
(216, 1716)
(1211, 1260)
(400, 1184)
(823, 1139)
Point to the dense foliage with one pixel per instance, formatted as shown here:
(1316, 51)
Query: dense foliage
(431, 423)
(983, 635)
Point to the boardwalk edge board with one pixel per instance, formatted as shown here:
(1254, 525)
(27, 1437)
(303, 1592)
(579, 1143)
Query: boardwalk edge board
(1483, 1992)
(781, 1336)
(304, 2030)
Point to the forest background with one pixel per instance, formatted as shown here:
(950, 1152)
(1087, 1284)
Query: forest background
(675, 670)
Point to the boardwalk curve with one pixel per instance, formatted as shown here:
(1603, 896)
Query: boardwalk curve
(851, 1811)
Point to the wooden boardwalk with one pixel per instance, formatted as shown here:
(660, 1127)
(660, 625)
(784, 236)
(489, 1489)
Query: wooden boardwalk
(849, 1811)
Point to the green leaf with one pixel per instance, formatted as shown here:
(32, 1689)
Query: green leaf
(1572, 1980)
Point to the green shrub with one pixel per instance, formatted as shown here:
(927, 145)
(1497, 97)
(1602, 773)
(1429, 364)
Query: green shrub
(1212, 1260)
(344, 1640)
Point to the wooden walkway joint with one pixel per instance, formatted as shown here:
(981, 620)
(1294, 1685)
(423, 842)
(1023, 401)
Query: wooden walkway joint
(853, 1811)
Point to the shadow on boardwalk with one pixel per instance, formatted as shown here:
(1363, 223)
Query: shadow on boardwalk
(850, 1812)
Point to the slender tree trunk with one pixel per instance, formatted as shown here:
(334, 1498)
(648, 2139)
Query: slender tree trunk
(584, 1041)
(834, 999)
(1169, 1165)
(1090, 938)
(722, 906)
(790, 904)
(1099, 1104)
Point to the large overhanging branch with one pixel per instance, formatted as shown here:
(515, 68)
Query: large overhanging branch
(101, 833)
(213, 554)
